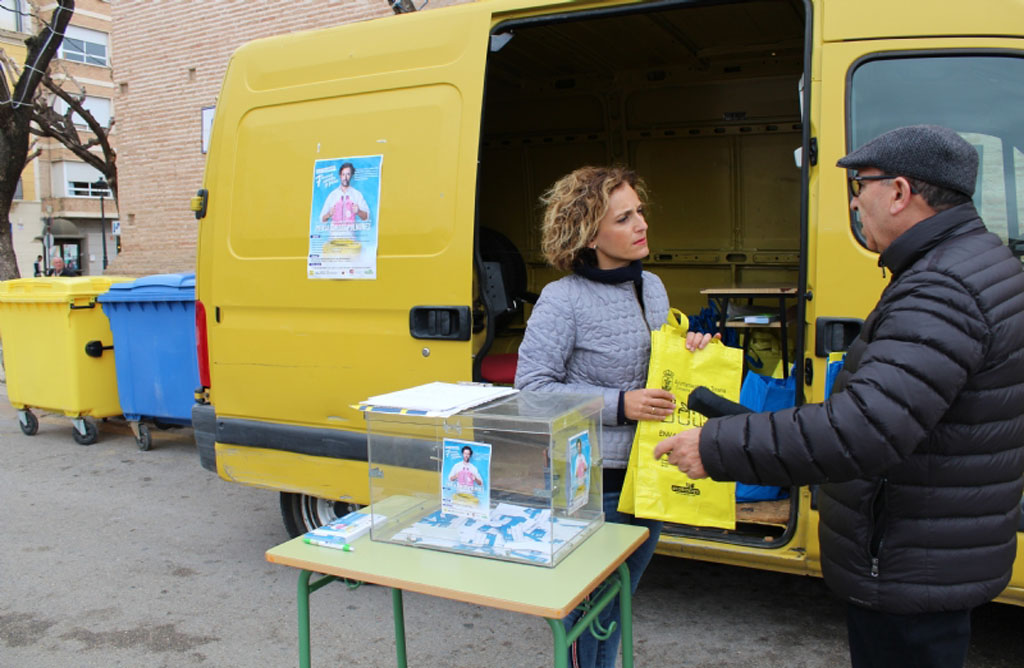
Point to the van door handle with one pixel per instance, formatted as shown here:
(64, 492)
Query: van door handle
(832, 335)
(449, 323)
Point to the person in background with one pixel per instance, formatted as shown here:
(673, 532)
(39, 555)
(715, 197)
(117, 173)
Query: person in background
(920, 447)
(37, 266)
(57, 268)
(590, 333)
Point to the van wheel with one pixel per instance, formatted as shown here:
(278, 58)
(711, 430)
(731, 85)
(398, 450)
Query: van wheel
(302, 513)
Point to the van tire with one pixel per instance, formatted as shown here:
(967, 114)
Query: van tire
(302, 513)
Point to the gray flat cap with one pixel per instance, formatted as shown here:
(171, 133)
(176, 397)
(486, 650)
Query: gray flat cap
(931, 153)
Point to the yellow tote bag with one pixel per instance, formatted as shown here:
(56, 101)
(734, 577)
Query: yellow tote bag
(627, 497)
(660, 490)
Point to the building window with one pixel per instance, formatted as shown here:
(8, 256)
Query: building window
(14, 15)
(84, 46)
(79, 179)
(99, 107)
(86, 189)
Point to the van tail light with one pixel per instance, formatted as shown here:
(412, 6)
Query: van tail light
(202, 347)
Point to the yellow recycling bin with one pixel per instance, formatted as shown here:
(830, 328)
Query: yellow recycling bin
(58, 351)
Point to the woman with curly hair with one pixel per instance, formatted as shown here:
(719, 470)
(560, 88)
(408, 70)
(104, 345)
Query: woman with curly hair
(590, 333)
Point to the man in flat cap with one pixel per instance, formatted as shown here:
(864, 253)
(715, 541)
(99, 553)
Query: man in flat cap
(920, 447)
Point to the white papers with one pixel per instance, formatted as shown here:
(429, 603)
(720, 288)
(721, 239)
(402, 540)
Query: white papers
(517, 532)
(435, 399)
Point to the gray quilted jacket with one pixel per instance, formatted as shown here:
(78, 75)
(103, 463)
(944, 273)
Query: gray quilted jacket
(591, 338)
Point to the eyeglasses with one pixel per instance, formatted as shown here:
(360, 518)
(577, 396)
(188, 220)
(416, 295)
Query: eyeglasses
(856, 183)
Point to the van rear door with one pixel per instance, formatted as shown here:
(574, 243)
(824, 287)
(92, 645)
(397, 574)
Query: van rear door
(294, 353)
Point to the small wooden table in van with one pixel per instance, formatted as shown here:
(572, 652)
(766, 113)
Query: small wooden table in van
(599, 562)
(781, 293)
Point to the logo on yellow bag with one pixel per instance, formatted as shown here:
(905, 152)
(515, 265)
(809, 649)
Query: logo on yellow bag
(689, 489)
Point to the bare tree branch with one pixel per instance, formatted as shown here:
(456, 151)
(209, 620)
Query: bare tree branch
(49, 123)
(42, 47)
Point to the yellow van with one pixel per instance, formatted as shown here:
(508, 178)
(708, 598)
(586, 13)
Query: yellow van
(451, 122)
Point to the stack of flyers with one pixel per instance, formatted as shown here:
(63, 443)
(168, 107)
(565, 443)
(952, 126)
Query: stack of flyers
(341, 532)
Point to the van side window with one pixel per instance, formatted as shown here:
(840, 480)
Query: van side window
(980, 96)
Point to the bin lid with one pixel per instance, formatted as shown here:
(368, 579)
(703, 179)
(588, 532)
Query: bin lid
(56, 288)
(155, 288)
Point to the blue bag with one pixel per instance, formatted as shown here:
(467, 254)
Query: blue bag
(763, 393)
(835, 365)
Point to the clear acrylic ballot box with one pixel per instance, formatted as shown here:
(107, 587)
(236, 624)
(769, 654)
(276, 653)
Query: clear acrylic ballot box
(517, 479)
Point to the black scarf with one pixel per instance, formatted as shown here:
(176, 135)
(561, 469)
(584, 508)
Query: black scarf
(634, 272)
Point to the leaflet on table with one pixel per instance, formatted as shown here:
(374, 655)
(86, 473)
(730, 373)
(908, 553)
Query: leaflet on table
(752, 314)
(466, 478)
(342, 530)
(532, 534)
(435, 399)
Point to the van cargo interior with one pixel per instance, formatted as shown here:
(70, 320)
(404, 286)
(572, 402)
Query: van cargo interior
(703, 101)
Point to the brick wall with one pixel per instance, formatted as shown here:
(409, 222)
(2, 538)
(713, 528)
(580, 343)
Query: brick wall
(169, 60)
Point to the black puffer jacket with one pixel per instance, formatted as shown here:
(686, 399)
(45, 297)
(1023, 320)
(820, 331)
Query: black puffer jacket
(922, 446)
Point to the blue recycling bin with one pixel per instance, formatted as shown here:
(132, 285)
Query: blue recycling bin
(152, 320)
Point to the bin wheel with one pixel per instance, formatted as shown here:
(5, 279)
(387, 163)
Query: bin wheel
(91, 433)
(145, 439)
(31, 424)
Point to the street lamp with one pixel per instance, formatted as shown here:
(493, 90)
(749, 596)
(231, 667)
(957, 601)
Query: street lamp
(102, 186)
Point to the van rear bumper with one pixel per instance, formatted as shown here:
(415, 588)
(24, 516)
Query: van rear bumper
(317, 442)
(204, 427)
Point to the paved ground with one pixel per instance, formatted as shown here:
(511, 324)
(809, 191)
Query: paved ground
(116, 557)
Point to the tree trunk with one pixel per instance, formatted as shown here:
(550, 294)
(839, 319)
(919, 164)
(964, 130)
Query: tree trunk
(15, 115)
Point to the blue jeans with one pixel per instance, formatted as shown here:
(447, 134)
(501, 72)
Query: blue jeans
(591, 652)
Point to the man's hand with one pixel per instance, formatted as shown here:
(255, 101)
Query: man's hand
(683, 451)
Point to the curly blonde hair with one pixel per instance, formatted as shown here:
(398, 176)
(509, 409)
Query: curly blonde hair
(575, 205)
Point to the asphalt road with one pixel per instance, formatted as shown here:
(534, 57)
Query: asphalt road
(116, 557)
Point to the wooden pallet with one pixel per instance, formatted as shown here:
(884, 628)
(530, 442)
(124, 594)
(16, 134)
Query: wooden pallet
(775, 513)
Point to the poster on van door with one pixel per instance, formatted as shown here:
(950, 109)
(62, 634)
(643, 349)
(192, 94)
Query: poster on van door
(343, 218)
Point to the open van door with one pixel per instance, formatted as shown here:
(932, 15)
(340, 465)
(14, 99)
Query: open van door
(885, 74)
(292, 348)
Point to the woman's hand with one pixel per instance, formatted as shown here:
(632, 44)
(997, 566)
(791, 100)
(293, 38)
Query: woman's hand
(699, 341)
(648, 404)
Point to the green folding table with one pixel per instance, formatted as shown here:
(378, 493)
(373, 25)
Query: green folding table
(597, 564)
